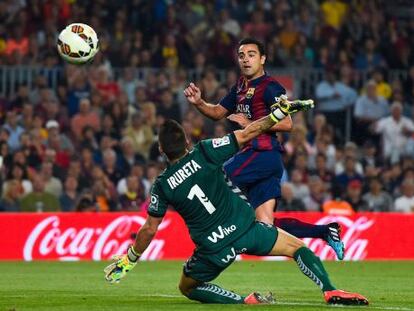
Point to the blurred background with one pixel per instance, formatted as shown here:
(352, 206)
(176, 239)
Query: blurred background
(84, 138)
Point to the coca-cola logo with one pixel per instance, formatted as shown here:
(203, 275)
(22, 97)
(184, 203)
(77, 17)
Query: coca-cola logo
(355, 245)
(48, 239)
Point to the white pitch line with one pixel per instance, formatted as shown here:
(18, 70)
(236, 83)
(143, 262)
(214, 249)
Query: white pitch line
(280, 303)
(300, 303)
(311, 304)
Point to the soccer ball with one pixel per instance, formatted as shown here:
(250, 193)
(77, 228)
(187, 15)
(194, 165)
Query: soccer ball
(77, 43)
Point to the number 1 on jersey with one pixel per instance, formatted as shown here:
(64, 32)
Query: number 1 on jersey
(196, 191)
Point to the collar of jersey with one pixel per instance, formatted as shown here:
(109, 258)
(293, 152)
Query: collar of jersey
(256, 81)
(180, 160)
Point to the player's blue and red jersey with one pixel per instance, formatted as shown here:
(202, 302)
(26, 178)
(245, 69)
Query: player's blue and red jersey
(254, 98)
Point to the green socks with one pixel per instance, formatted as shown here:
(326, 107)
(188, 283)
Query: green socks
(210, 293)
(312, 267)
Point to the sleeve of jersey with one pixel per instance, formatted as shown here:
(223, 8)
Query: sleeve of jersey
(218, 150)
(158, 204)
(230, 100)
(272, 93)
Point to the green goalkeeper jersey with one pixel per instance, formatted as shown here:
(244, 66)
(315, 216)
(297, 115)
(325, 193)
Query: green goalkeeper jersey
(198, 190)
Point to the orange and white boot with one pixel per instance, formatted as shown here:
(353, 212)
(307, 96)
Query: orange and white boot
(341, 297)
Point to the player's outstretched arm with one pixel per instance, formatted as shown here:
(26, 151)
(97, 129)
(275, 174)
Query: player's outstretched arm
(124, 263)
(284, 109)
(193, 95)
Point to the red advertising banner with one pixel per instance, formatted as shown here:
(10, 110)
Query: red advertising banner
(98, 236)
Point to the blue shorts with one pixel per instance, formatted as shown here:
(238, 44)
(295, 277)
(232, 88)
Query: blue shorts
(257, 174)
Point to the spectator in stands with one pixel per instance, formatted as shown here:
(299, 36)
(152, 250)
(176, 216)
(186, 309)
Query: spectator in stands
(18, 43)
(14, 130)
(334, 97)
(405, 203)
(52, 184)
(128, 83)
(18, 174)
(354, 196)
(140, 134)
(348, 175)
(110, 167)
(317, 194)
(134, 197)
(334, 12)
(86, 202)
(168, 108)
(369, 58)
(108, 128)
(12, 193)
(321, 170)
(394, 131)
(128, 157)
(370, 157)
(229, 24)
(377, 200)
(53, 129)
(351, 151)
(103, 189)
(300, 189)
(257, 27)
(369, 108)
(85, 117)
(69, 197)
(297, 142)
(39, 200)
(288, 203)
(318, 123)
(78, 88)
(107, 88)
(383, 88)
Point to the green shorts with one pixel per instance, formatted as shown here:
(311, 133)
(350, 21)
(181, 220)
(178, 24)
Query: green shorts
(258, 240)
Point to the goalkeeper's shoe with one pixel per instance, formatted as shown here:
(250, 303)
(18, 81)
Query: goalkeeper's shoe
(341, 297)
(256, 298)
(333, 237)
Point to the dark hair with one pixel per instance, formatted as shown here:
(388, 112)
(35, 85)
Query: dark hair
(260, 45)
(172, 139)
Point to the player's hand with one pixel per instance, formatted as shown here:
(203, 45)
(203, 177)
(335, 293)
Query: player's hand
(122, 265)
(193, 94)
(240, 119)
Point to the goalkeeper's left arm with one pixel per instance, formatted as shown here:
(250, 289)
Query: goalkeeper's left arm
(124, 263)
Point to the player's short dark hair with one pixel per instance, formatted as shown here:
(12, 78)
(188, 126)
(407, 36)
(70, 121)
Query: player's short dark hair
(172, 139)
(260, 45)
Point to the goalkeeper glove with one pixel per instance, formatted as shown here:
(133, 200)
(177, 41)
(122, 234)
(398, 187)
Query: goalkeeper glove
(284, 107)
(122, 265)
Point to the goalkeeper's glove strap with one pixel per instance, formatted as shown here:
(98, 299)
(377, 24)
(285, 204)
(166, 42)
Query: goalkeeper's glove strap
(133, 256)
(278, 115)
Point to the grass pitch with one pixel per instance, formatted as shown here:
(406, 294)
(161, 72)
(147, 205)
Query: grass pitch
(153, 286)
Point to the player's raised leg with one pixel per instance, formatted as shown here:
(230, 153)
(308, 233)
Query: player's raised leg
(288, 245)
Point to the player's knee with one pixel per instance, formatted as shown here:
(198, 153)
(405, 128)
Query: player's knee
(184, 289)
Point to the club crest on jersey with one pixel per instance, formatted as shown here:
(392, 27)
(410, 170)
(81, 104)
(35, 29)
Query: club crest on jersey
(218, 142)
(250, 92)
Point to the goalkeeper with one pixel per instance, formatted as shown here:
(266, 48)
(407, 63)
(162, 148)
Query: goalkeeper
(221, 224)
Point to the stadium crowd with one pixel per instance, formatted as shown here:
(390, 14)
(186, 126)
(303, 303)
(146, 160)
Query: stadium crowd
(91, 143)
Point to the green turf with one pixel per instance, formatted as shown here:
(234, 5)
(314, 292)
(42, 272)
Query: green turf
(153, 286)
